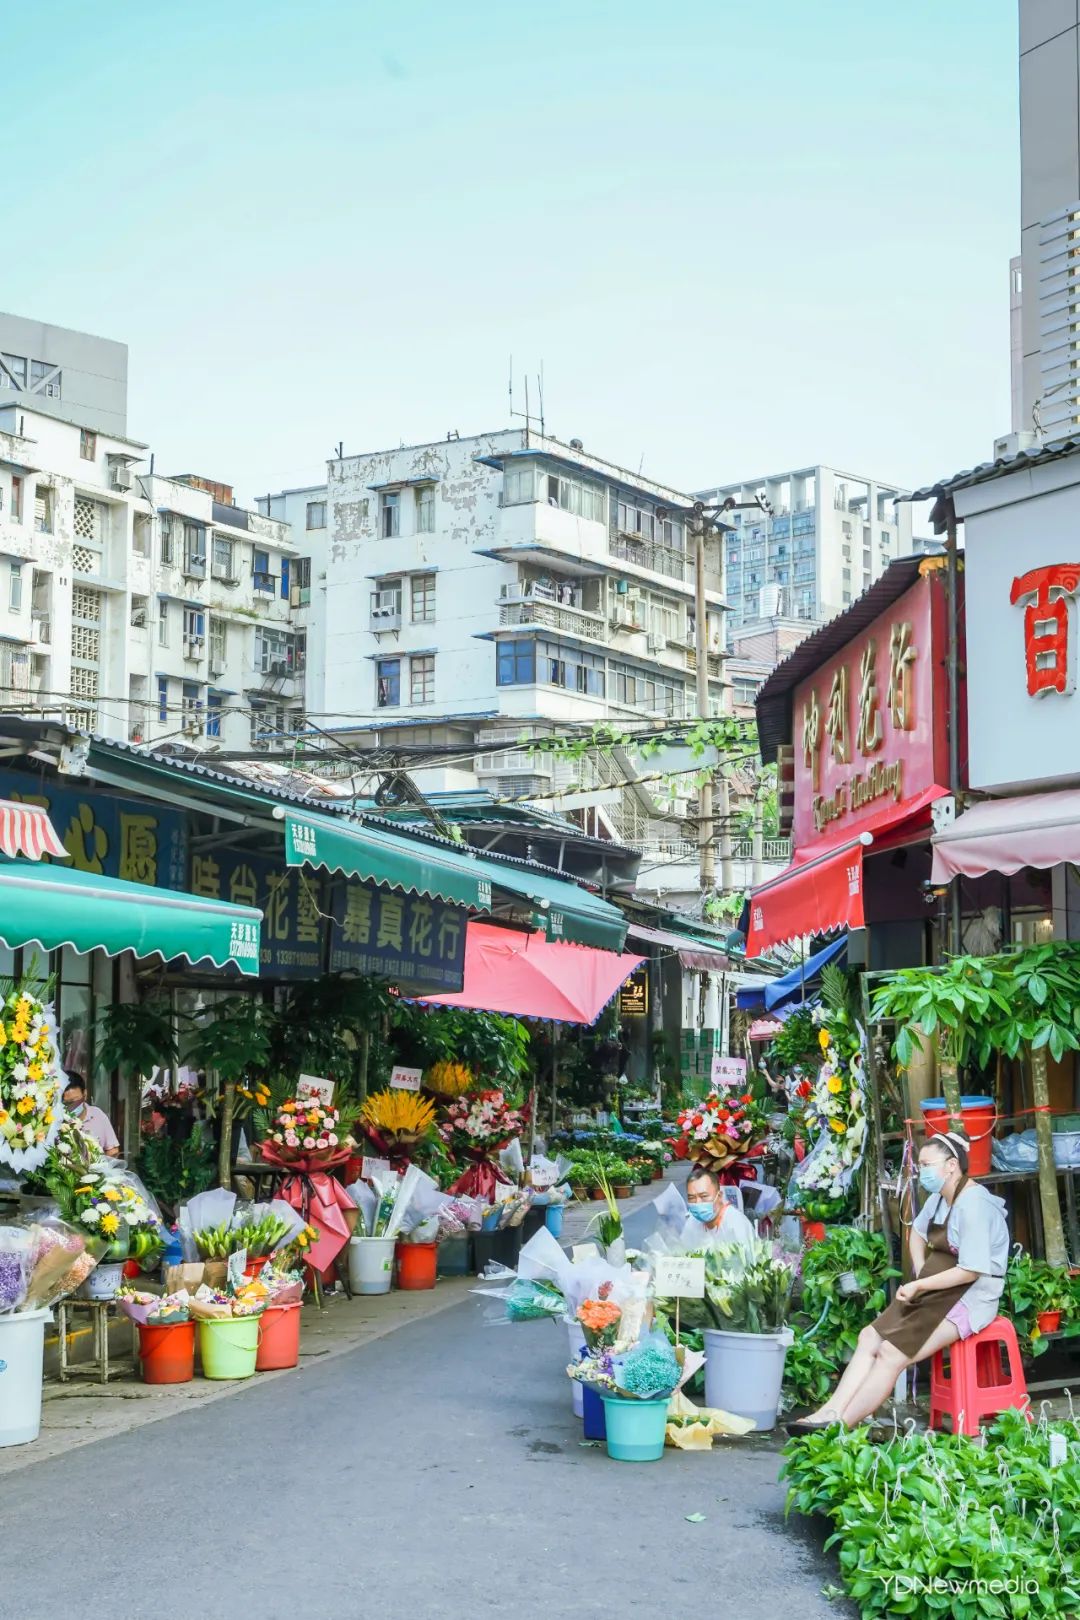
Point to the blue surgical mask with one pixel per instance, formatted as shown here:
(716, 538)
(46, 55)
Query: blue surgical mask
(702, 1212)
(931, 1180)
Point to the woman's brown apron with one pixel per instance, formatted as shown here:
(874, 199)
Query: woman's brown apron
(909, 1326)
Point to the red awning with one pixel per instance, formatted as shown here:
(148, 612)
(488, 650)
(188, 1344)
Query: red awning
(25, 829)
(813, 897)
(822, 889)
(507, 971)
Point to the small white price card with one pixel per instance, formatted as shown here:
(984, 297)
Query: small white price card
(374, 1167)
(406, 1079)
(310, 1085)
(679, 1276)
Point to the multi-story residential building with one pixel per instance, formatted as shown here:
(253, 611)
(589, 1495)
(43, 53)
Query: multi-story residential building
(828, 535)
(137, 606)
(59, 372)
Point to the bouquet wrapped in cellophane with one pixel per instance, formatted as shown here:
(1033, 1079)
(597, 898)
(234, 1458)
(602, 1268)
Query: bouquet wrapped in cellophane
(40, 1262)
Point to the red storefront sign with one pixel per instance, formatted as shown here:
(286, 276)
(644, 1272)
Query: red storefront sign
(870, 744)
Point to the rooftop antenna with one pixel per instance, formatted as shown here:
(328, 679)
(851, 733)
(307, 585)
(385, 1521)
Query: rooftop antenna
(340, 449)
(540, 391)
(526, 415)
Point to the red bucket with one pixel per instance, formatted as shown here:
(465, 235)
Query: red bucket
(417, 1264)
(279, 1339)
(979, 1117)
(167, 1352)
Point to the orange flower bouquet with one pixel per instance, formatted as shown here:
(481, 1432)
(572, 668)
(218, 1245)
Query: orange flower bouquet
(599, 1319)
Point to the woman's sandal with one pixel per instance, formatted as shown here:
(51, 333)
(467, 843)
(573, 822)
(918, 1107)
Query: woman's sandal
(800, 1426)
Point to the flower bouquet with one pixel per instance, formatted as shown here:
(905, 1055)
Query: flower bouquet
(306, 1128)
(647, 1371)
(599, 1319)
(309, 1139)
(41, 1261)
(835, 1116)
(31, 1082)
(723, 1128)
(396, 1122)
(475, 1128)
(111, 1205)
(446, 1079)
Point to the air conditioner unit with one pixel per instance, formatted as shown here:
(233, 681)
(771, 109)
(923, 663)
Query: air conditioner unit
(122, 477)
(192, 728)
(138, 618)
(193, 646)
(656, 642)
(217, 666)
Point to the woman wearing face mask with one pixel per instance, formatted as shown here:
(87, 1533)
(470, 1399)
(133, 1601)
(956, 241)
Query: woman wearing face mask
(959, 1252)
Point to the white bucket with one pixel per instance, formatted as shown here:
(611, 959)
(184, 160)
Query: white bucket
(22, 1354)
(576, 1336)
(104, 1281)
(371, 1264)
(744, 1372)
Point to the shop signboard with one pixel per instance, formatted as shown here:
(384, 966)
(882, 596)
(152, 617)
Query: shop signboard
(290, 899)
(407, 939)
(1022, 584)
(124, 838)
(634, 995)
(869, 725)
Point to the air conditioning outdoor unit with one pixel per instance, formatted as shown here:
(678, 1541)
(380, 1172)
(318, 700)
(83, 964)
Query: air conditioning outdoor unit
(655, 642)
(278, 669)
(193, 646)
(217, 666)
(138, 618)
(122, 477)
(192, 728)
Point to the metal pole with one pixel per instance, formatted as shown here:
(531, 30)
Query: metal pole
(554, 1071)
(706, 844)
(953, 577)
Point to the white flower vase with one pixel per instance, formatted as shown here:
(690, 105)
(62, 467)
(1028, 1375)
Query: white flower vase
(104, 1281)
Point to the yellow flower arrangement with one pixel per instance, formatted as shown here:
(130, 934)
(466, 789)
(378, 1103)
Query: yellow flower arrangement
(404, 1113)
(110, 1223)
(823, 1039)
(448, 1079)
(835, 1085)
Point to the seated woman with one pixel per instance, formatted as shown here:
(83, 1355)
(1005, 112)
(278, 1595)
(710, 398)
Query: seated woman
(959, 1252)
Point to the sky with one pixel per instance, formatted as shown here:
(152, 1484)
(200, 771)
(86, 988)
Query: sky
(737, 238)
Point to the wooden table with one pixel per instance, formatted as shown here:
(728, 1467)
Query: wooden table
(100, 1312)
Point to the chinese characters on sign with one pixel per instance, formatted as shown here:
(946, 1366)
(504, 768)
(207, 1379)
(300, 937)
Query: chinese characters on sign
(634, 995)
(1045, 594)
(406, 938)
(870, 723)
(116, 837)
(290, 900)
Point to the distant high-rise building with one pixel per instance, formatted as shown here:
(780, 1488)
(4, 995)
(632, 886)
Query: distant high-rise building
(828, 536)
(60, 372)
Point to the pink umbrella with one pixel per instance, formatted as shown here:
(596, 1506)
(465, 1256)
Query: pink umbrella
(507, 971)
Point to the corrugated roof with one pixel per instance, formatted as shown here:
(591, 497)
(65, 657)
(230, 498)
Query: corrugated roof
(995, 469)
(774, 700)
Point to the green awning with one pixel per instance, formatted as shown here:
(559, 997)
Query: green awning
(563, 910)
(53, 906)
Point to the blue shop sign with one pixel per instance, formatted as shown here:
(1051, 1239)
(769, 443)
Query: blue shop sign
(290, 899)
(413, 942)
(122, 838)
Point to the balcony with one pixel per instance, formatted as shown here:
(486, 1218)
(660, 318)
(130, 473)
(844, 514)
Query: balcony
(572, 621)
(660, 559)
(262, 581)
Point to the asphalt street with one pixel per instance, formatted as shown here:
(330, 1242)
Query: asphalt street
(437, 1472)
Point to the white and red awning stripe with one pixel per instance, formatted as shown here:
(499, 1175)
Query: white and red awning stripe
(25, 829)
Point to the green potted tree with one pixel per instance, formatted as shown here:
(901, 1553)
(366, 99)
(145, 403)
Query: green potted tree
(235, 1045)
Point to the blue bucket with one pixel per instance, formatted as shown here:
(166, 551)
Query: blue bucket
(491, 1222)
(592, 1414)
(635, 1429)
(553, 1218)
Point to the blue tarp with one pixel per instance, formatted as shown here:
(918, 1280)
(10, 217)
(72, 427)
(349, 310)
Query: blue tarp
(779, 992)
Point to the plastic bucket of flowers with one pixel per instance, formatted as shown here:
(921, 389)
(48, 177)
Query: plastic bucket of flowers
(371, 1264)
(635, 1430)
(417, 1265)
(229, 1345)
(167, 1352)
(104, 1281)
(22, 1353)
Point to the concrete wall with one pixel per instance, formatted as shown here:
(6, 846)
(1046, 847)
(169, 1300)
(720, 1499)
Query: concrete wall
(92, 380)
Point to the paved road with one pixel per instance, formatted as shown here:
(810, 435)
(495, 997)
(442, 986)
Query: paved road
(436, 1473)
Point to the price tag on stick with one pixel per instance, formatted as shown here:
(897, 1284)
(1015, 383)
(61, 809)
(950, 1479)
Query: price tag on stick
(403, 1079)
(679, 1277)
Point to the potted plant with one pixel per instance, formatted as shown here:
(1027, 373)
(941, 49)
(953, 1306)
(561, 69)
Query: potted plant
(621, 1177)
(1037, 1296)
(746, 1348)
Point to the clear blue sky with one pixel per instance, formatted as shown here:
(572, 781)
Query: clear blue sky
(738, 236)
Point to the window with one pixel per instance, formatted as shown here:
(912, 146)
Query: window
(163, 625)
(16, 500)
(46, 377)
(745, 691)
(519, 485)
(140, 534)
(166, 540)
(262, 578)
(15, 582)
(213, 714)
(553, 671)
(194, 624)
(194, 549)
(300, 652)
(632, 519)
(87, 444)
(425, 509)
(389, 514)
(516, 663)
(422, 678)
(163, 699)
(316, 514)
(388, 682)
(386, 600)
(423, 598)
(267, 722)
(221, 565)
(43, 509)
(302, 575)
(192, 709)
(218, 643)
(273, 651)
(14, 375)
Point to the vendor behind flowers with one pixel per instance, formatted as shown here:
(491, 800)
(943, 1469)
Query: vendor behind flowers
(713, 1221)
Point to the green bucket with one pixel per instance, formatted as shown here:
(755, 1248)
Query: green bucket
(635, 1429)
(228, 1347)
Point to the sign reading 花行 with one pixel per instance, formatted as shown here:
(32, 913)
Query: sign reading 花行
(416, 943)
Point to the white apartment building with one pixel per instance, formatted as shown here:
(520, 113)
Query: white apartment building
(830, 534)
(136, 606)
(484, 589)
(61, 372)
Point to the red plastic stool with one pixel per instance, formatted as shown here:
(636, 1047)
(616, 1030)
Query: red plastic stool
(984, 1377)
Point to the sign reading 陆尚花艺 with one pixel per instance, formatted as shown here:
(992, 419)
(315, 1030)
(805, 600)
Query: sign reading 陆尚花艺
(311, 1085)
(291, 900)
(728, 1071)
(1022, 596)
(405, 1079)
(869, 724)
(407, 939)
(679, 1276)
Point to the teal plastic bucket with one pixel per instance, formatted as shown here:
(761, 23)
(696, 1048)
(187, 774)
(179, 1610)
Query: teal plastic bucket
(553, 1219)
(635, 1429)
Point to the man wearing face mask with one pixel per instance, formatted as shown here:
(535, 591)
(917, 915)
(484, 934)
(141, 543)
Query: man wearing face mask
(959, 1252)
(712, 1220)
(94, 1121)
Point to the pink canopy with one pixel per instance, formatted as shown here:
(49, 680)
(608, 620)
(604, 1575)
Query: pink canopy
(1003, 835)
(507, 971)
